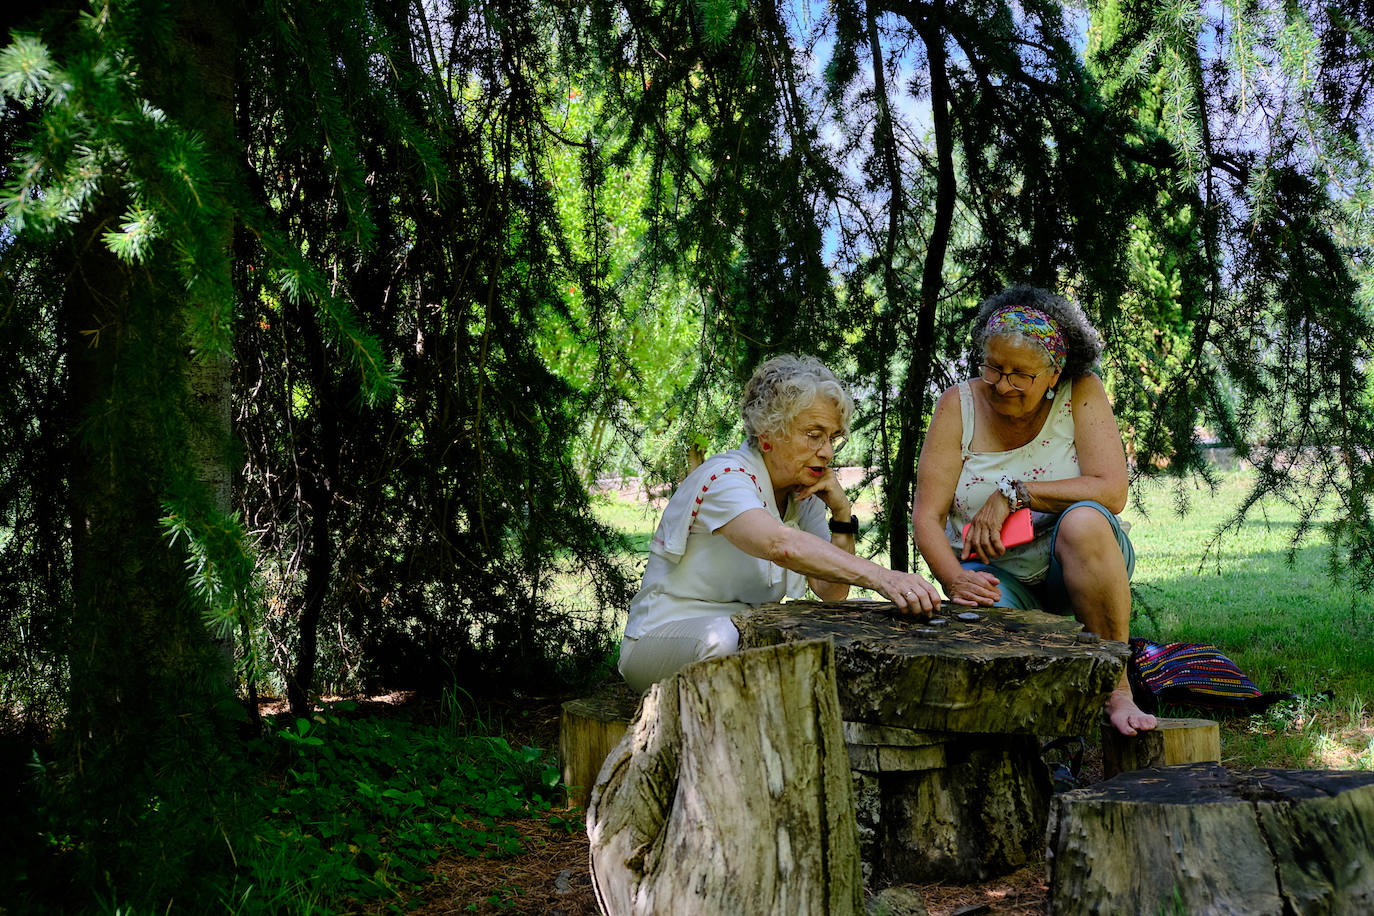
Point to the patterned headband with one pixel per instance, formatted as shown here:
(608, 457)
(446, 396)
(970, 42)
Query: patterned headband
(1034, 324)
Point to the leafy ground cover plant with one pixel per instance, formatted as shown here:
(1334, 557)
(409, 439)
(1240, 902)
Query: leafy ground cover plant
(356, 808)
(343, 811)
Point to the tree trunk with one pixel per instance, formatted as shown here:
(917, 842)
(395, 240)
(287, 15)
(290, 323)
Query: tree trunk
(148, 684)
(731, 793)
(136, 636)
(911, 403)
(319, 462)
(1197, 839)
(588, 730)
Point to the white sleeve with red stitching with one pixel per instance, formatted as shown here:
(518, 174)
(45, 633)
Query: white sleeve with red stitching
(724, 495)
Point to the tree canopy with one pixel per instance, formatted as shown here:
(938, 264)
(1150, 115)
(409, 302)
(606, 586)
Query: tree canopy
(318, 318)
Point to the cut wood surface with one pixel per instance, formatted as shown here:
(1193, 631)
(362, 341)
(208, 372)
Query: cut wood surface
(1198, 839)
(588, 729)
(1008, 672)
(731, 793)
(1171, 741)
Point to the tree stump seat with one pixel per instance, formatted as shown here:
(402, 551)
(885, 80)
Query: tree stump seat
(588, 728)
(942, 724)
(730, 794)
(1196, 838)
(1170, 742)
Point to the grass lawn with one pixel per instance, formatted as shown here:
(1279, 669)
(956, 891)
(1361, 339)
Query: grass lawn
(1287, 625)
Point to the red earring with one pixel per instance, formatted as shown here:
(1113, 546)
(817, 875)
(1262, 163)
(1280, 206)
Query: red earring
(765, 446)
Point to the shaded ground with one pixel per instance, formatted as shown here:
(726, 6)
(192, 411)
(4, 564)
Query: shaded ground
(552, 879)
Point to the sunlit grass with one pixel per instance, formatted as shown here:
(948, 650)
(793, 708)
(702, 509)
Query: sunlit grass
(1287, 625)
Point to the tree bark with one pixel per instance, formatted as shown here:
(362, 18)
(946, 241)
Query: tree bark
(589, 729)
(319, 469)
(136, 636)
(148, 685)
(1198, 839)
(731, 793)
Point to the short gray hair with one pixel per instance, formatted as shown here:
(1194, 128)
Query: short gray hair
(1082, 343)
(782, 388)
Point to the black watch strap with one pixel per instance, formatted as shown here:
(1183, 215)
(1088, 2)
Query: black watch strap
(849, 527)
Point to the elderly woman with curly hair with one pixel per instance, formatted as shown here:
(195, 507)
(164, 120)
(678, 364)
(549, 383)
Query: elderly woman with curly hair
(757, 524)
(1033, 429)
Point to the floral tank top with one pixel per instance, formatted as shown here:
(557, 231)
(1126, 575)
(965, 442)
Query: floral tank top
(1051, 455)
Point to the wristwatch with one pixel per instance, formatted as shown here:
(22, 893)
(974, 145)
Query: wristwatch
(1018, 497)
(849, 527)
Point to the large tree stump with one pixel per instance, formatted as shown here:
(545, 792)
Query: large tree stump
(1009, 672)
(1198, 839)
(589, 728)
(1170, 742)
(731, 793)
(942, 722)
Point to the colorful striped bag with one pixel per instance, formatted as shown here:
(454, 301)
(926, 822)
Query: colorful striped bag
(1193, 674)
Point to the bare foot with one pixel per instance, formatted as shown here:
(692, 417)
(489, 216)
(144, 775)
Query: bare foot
(1125, 715)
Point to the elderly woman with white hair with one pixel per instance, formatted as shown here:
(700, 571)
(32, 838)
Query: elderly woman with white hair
(757, 524)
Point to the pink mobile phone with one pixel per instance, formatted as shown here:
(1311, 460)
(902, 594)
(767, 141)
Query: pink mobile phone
(1016, 530)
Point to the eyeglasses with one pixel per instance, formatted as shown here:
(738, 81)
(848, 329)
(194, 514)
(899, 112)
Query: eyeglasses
(1019, 380)
(815, 439)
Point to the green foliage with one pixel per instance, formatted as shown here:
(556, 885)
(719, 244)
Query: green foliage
(357, 808)
(623, 336)
(219, 563)
(323, 813)
(733, 173)
(463, 257)
(428, 528)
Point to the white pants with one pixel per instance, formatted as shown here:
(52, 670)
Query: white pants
(668, 646)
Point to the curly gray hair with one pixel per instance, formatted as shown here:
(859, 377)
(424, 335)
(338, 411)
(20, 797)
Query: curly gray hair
(1081, 340)
(782, 388)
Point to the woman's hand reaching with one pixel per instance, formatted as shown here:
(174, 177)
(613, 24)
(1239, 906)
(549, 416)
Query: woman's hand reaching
(974, 588)
(911, 593)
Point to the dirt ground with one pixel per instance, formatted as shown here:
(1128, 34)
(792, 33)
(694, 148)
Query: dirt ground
(552, 878)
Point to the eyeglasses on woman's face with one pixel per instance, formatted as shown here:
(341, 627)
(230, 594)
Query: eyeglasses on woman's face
(1019, 380)
(815, 438)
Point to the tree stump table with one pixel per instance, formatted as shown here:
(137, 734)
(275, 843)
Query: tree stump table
(943, 721)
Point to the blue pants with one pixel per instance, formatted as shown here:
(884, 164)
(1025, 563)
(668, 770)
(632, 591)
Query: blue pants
(1051, 595)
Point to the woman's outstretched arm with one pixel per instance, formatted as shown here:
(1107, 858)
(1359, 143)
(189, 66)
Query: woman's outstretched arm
(759, 534)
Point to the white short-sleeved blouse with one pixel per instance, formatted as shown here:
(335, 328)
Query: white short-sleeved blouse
(693, 571)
